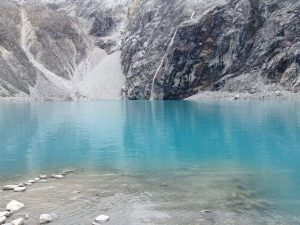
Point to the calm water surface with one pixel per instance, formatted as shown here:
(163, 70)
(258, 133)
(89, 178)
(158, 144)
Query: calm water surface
(162, 139)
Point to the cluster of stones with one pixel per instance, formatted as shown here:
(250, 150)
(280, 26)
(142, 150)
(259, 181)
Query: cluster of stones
(23, 186)
(15, 206)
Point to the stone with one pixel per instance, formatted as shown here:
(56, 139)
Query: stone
(43, 176)
(43, 181)
(31, 181)
(37, 179)
(5, 213)
(19, 221)
(21, 185)
(45, 218)
(2, 219)
(28, 184)
(102, 218)
(58, 176)
(9, 187)
(236, 97)
(20, 189)
(14, 206)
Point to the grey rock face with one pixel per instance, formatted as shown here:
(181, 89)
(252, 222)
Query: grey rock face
(151, 27)
(16, 72)
(256, 39)
(170, 49)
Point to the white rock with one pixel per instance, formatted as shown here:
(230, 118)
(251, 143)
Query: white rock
(58, 176)
(2, 219)
(20, 189)
(5, 213)
(31, 181)
(7, 224)
(278, 93)
(9, 187)
(102, 218)
(21, 185)
(28, 184)
(43, 176)
(14, 206)
(43, 181)
(19, 221)
(45, 218)
(236, 97)
(37, 179)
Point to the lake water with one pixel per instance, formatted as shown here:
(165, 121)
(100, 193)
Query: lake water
(238, 157)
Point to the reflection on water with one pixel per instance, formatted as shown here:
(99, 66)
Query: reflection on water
(168, 140)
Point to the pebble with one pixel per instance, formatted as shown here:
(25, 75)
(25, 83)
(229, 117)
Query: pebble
(43, 176)
(14, 206)
(37, 179)
(2, 219)
(20, 189)
(45, 218)
(19, 221)
(28, 184)
(21, 185)
(102, 218)
(9, 187)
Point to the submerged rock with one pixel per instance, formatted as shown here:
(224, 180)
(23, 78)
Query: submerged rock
(14, 206)
(45, 218)
(102, 218)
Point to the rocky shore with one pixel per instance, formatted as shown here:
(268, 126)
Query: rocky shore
(115, 197)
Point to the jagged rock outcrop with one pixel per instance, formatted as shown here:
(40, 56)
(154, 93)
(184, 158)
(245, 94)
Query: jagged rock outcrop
(239, 46)
(169, 49)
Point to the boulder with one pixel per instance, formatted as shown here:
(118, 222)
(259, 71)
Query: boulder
(19, 221)
(14, 206)
(45, 218)
(9, 187)
(102, 218)
(20, 189)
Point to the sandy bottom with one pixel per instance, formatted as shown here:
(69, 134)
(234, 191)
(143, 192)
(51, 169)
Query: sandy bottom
(191, 196)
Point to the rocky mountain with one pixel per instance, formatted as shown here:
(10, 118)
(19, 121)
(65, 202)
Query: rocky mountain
(147, 49)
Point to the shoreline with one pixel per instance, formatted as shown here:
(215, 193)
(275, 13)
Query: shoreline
(202, 96)
(81, 196)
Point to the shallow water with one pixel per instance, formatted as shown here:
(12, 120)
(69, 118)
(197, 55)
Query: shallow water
(170, 160)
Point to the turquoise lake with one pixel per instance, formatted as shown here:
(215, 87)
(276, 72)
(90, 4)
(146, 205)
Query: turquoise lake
(258, 140)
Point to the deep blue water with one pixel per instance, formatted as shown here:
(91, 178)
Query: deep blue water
(260, 136)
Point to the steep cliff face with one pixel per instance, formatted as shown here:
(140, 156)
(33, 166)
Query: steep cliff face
(151, 31)
(167, 49)
(239, 46)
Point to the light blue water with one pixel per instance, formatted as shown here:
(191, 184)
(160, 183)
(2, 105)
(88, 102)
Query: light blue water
(159, 138)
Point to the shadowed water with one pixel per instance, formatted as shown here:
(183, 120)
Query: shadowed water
(171, 159)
